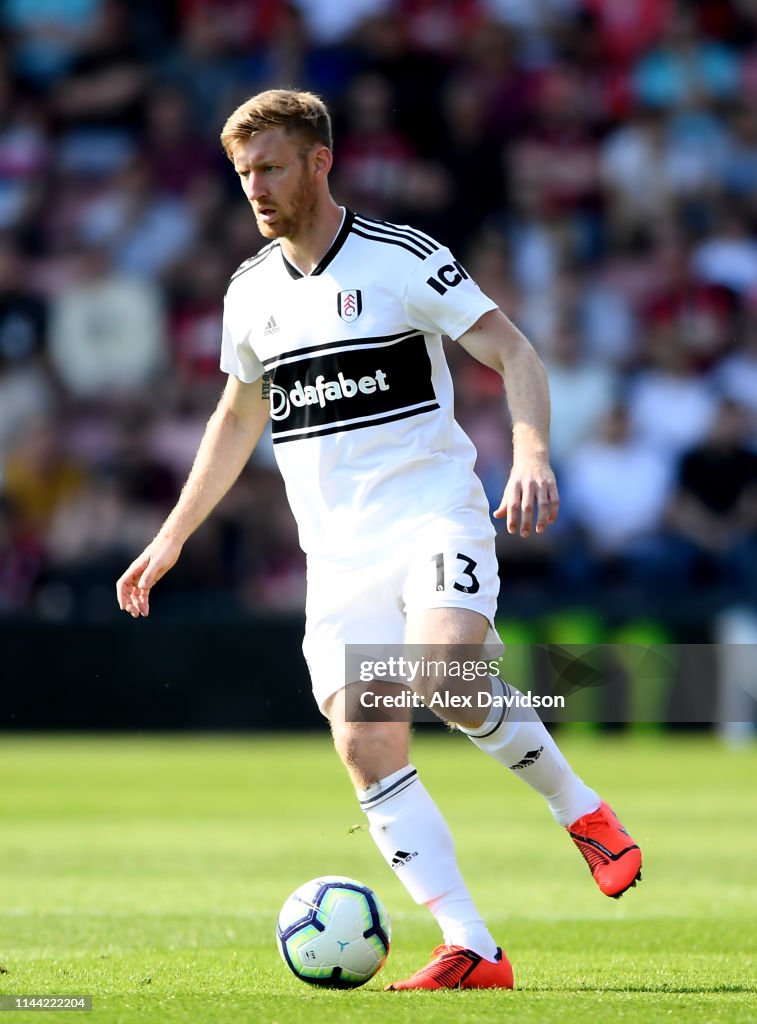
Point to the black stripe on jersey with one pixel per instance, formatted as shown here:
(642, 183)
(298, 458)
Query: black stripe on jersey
(336, 245)
(403, 231)
(377, 342)
(390, 240)
(346, 390)
(253, 261)
(341, 428)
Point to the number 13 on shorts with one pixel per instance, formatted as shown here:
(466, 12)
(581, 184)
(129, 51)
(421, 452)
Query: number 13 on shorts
(454, 569)
(462, 573)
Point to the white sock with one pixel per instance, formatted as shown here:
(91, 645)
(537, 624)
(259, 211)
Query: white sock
(517, 738)
(415, 841)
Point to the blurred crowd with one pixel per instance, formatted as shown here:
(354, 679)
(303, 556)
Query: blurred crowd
(592, 162)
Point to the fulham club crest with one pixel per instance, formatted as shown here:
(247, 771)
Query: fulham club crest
(350, 304)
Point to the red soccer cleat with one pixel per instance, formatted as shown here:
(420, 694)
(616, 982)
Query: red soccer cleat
(613, 857)
(456, 967)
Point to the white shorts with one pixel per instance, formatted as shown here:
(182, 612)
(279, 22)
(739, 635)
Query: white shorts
(449, 564)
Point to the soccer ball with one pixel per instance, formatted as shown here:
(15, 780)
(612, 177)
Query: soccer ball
(333, 932)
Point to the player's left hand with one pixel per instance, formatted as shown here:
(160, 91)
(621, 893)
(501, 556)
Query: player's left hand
(531, 488)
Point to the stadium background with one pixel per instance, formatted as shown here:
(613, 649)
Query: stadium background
(594, 165)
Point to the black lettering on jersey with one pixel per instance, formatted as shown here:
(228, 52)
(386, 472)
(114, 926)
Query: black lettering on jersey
(338, 391)
(447, 277)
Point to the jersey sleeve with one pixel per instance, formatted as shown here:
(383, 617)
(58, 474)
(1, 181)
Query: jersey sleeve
(442, 298)
(238, 357)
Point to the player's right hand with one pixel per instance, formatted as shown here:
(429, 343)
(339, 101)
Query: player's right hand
(133, 588)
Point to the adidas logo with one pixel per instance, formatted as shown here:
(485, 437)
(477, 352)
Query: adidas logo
(402, 857)
(271, 327)
(531, 756)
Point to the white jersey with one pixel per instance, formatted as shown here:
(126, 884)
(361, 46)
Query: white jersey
(361, 395)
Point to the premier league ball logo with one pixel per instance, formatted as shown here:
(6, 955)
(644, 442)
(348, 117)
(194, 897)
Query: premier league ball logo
(350, 304)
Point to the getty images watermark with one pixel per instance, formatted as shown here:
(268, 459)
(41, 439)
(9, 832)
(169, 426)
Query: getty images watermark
(437, 676)
(684, 684)
(428, 682)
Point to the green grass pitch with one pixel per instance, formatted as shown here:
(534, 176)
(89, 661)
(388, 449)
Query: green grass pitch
(148, 872)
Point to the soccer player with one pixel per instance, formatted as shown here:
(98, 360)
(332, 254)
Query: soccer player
(333, 333)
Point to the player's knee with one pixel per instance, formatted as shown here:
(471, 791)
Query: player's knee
(452, 699)
(352, 741)
(438, 679)
(347, 743)
(371, 750)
